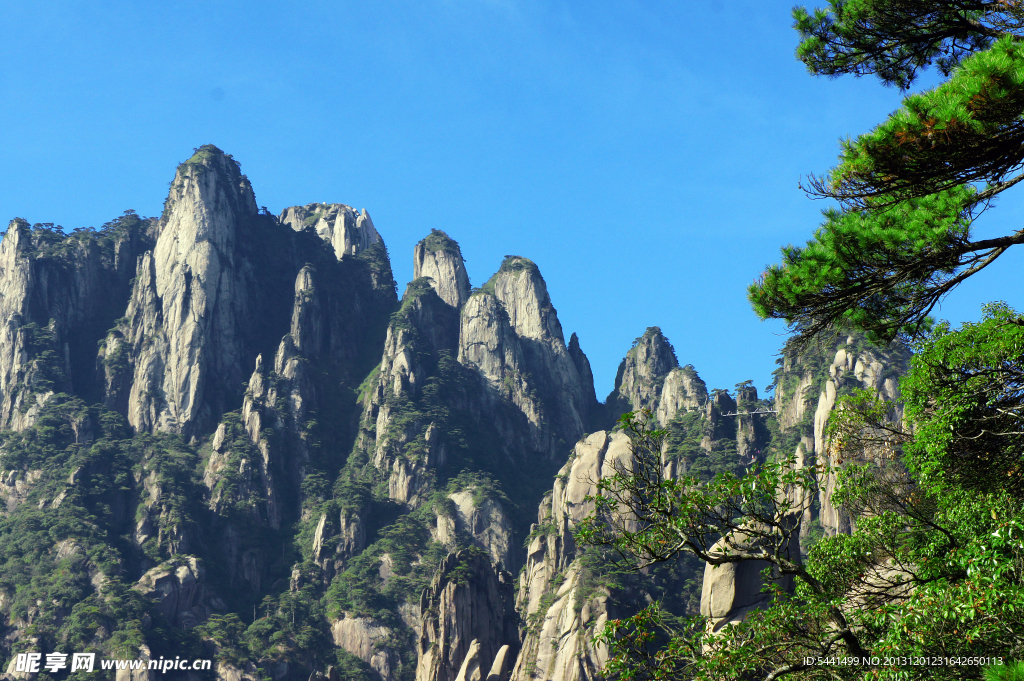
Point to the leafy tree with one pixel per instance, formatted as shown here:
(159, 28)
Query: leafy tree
(929, 571)
(935, 564)
(909, 190)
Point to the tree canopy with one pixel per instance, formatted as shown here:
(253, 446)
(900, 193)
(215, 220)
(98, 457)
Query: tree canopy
(909, 191)
(928, 582)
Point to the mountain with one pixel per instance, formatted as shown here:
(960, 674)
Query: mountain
(225, 436)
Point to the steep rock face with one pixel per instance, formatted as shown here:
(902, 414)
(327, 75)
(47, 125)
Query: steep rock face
(350, 531)
(349, 232)
(485, 522)
(439, 258)
(423, 330)
(189, 312)
(649, 377)
(807, 388)
(511, 336)
(641, 375)
(15, 487)
(792, 398)
(489, 345)
(469, 602)
(592, 409)
(750, 429)
(868, 369)
(283, 399)
(217, 292)
(563, 619)
(179, 590)
(732, 591)
(682, 390)
(58, 295)
(157, 521)
(265, 453)
(360, 636)
(717, 425)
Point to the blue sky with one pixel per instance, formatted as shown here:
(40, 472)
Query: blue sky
(645, 155)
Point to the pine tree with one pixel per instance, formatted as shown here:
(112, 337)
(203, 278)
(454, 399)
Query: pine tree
(934, 568)
(910, 189)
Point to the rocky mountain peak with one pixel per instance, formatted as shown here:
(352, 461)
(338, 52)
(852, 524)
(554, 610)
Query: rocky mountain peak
(439, 258)
(586, 375)
(524, 295)
(195, 284)
(683, 390)
(214, 179)
(17, 238)
(512, 337)
(59, 293)
(307, 316)
(642, 373)
(350, 232)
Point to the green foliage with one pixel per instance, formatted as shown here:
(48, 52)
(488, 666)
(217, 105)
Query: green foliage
(439, 241)
(312, 219)
(1009, 671)
(45, 353)
(376, 259)
(516, 264)
(412, 557)
(203, 155)
(62, 555)
(290, 627)
(226, 632)
(511, 264)
(351, 668)
(910, 189)
(965, 389)
(896, 40)
(932, 570)
(683, 438)
(482, 485)
(368, 385)
(845, 273)
(952, 135)
(417, 288)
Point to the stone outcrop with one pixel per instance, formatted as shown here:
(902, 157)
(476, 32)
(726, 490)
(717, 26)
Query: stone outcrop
(348, 529)
(593, 412)
(486, 524)
(216, 291)
(805, 397)
(349, 232)
(731, 591)
(362, 637)
(682, 390)
(467, 608)
(189, 312)
(15, 486)
(489, 346)
(424, 328)
(179, 591)
(649, 377)
(641, 375)
(439, 259)
(511, 336)
(58, 295)
(750, 428)
(562, 617)
(869, 369)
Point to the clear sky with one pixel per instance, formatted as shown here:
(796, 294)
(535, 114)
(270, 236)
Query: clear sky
(645, 155)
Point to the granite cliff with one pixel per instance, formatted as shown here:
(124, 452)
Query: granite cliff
(224, 435)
